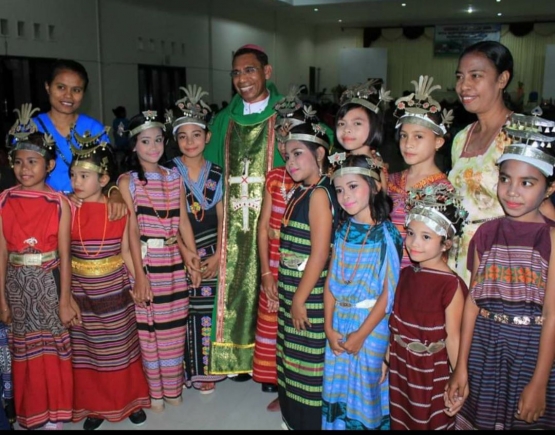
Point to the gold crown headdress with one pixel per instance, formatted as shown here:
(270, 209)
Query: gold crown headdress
(373, 171)
(429, 204)
(529, 141)
(287, 108)
(414, 108)
(22, 128)
(194, 109)
(150, 122)
(361, 93)
(88, 145)
(317, 128)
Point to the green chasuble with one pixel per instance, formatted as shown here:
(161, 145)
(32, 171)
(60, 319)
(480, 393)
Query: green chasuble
(245, 147)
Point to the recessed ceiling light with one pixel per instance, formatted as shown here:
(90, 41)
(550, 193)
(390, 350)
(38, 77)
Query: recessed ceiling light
(470, 10)
(498, 1)
(499, 14)
(403, 4)
(340, 21)
(315, 9)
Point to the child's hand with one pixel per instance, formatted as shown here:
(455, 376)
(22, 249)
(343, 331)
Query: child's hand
(456, 392)
(76, 309)
(272, 306)
(269, 287)
(334, 338)
(195, 277)
(192, 261)
(77, 202)
(6, 314)
(68, 316)
(116, 206)
(299, 316)
(352, 343)
(385, 371)
(531, 404)
(141, 292)
(209, 266)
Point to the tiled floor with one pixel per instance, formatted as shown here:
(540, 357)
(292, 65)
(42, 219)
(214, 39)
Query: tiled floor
(234, 405)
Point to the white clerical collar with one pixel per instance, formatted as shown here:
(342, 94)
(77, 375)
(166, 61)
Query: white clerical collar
(257, 107)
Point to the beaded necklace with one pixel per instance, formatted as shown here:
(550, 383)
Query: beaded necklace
(165, 195)
(355, 268)
(291, 205)
(284, 193)
(103, 233)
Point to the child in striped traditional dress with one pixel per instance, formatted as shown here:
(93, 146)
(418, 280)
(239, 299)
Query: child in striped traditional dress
(162, 242)
(505, 377)
(358, 296)
(426, 319)
(109, 383)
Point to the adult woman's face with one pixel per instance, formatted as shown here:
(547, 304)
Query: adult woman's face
(479, 85)
(66, 92)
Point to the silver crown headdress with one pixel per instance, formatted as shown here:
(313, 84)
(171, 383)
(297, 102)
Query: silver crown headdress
(429, 204)
(287, 108)
(361, 94)
(530, 141)
(319, 131)
(375, 167)
(193, 107)
(150, 122)
(414, 108)
(23, 127)
(89, 145)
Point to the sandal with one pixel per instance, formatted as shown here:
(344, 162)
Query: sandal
(207, 387)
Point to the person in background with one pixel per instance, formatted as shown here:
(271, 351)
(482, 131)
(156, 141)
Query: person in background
(120, 125)
(243, 143)
(203, 200)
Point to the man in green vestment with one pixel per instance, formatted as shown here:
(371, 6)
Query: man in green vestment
(243, 142)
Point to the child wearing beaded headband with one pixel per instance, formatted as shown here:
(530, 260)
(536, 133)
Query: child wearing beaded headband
(306, 235)
(35, 295)
(505, 378)
(278, 188)
(358, 295)
(359, 122)
(162, 243)
(101, 264)
(421, 130)
(427, 312)
(203, 198)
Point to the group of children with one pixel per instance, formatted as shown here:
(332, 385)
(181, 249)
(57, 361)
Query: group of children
(361, 323)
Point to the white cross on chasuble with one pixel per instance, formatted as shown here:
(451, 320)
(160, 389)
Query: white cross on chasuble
(243, 202)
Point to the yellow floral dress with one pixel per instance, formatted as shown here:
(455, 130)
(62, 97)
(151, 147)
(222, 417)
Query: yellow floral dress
(475, 179)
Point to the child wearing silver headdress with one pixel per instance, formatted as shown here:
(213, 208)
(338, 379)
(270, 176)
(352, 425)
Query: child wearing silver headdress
(421, 127)
(358, 297)
(35, 297)
(505, 377)
(426, 319)
(203, 197)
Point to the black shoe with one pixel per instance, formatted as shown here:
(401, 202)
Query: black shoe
(138, 417)
(243, 377)
(92, 423)
(269, 388)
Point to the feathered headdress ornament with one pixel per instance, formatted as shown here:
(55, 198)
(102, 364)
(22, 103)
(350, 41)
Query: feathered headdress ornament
(362, 94)
(88, 145)
(531, 141)
(288, 109)
(439, 207)
(415, 108)
(193, 107)
(375, 166)
(310, 117)
(17, 138)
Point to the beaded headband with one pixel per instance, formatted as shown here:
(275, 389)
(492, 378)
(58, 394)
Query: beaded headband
(372, 171)
(428, 205)
(319, 131)
(360, 94)
(17, 138)
(415, 108)
(194, 109)
(287, 108)
(150, 122)
(529, 143)
(89, 145)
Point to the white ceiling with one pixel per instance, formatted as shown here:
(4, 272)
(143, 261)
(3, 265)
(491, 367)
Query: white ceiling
(390, 13)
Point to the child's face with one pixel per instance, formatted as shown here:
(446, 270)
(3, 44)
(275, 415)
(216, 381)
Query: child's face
(418, 144)
(31, 169)
(353, 195)
(353, 129)
(423, 245)
(192, 140)
(300, 163)
(150, 145)
(87, 184)
(521, 189)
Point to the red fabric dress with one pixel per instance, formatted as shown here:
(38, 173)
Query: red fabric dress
(40, 344)
(278, 183)
(107, 367)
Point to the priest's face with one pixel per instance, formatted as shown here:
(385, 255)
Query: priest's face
(250, 78)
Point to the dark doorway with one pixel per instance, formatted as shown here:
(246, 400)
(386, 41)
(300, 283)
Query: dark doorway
(159, 87)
